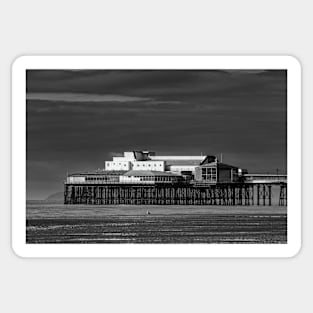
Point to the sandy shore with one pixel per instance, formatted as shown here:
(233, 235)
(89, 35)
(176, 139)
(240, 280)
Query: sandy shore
(93, 211)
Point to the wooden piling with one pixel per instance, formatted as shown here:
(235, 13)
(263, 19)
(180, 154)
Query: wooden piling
(224, 194)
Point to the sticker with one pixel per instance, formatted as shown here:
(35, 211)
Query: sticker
(156, 156)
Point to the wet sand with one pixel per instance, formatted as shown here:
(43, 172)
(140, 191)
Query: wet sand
(58, 223)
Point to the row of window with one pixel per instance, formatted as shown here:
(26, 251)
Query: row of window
(156, 178)
(148, 165)
(109, 164)
(105, 178)
(136, 165)
(142, 178)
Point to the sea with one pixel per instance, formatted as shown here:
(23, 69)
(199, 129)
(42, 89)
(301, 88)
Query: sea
(48, 222)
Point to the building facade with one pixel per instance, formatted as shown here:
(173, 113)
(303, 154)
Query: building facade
(217, 172)
(146, 160)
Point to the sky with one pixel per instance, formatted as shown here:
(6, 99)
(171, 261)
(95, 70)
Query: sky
(78, 119)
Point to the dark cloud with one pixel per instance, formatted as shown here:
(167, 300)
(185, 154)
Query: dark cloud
(77, 119)
(81, 97)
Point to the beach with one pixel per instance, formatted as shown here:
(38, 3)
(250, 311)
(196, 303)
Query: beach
(131, 224)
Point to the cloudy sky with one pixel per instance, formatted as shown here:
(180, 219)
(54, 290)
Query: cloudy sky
(78, 119)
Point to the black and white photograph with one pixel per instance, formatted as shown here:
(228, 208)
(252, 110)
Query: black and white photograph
(156, 156)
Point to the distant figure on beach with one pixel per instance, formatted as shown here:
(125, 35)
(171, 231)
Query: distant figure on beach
(148, 212)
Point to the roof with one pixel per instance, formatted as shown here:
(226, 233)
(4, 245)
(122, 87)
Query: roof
(98, 173)
(219, 164)
(177, 157)
(148, 173)
(183, 162)
(226, 165)
(209, 159)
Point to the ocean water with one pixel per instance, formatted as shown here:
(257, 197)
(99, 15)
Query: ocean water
(58, 223)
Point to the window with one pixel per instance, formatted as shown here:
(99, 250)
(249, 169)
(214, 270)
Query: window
(209, 174)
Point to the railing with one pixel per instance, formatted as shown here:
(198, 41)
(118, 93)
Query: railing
(265, 178)
(103, 182)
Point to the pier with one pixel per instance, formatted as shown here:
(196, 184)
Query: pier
(144, 178)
